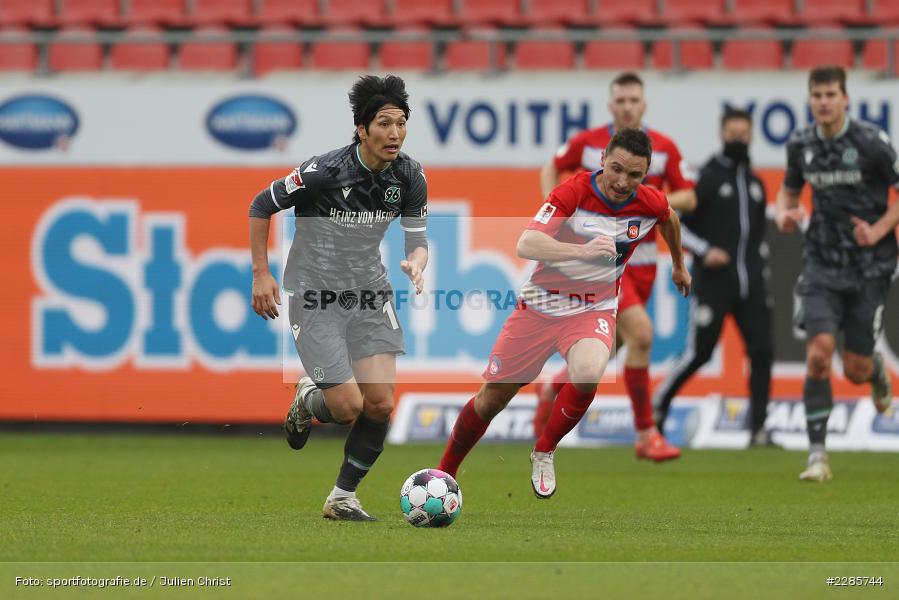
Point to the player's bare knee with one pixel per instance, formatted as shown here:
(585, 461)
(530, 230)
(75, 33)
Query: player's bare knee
(379, 407)
(584, 377)
(491, 400)
(818, 364)
(858, 371)
(345, 408)
(641, 341)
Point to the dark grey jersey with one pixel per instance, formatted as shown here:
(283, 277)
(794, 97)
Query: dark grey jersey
(342, 213)
(850, 175)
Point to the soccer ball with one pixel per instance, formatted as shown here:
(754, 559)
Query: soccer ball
(431, 498)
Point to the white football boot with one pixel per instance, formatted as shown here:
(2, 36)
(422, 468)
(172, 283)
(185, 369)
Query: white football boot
(543, 474)
(818, 468)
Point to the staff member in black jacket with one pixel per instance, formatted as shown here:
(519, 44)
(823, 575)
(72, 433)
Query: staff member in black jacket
(726, 235)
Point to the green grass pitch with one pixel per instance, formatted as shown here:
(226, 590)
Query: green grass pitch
(714, 524)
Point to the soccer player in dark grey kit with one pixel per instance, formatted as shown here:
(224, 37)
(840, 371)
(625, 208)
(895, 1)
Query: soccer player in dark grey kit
(340, 304)
(850, 249)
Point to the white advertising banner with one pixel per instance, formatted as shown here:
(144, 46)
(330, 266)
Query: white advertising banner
(508, 120)
(693, 422)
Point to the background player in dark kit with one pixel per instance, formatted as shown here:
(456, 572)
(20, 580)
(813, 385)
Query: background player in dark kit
(726, 234)
(344, 201)
(849, 251)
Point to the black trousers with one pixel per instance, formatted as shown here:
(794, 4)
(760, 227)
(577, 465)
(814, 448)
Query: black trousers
(716, 295)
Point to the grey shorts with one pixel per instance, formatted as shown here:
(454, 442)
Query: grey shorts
(827, 304)
(334, 329)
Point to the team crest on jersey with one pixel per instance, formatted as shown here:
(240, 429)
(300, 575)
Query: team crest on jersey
(293, 182)
(495, 364)
(850, 156)
(545, 214)
(809, 155)
(633, 230)
(392, 195)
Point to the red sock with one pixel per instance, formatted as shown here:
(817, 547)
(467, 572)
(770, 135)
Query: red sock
(569, 408)
(467, 431)
(637, 382)
(559, 380)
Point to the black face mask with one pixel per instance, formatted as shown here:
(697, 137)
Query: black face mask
(736, 151)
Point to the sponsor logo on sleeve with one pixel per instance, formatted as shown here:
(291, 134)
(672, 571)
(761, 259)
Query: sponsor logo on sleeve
(545, 214)
(294, 182)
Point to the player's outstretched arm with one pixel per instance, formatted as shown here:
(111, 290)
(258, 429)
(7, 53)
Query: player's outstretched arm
(266, 296)
(536, 245)
(788, 213)
(683, 201)
(670, 230)
(414, 267)
(869, 234)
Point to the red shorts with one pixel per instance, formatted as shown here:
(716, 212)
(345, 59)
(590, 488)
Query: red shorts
(529, 338)
(636, 286)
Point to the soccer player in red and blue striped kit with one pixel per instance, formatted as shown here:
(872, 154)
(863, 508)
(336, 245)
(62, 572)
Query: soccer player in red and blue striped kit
(583, 152)
(582, 238)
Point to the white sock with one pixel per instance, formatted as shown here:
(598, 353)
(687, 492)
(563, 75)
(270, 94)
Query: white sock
(339, 493)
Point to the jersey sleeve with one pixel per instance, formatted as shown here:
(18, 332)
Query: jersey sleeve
(885, 158)
(793, 178)
(561, 204)
(660, 207)
(568, 156)
(414, 218)
(677, 170)
(286, 192)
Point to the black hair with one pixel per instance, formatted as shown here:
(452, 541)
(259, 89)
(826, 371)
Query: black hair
(731, 113)
(627, 78)
(634, 141)
(827, 74)
(369, 95)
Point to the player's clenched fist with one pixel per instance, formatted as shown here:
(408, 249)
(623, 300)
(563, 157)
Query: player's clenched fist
(599, 246)
(266, 296)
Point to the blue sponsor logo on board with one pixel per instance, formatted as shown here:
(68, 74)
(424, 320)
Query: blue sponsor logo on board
(251, 122)
(37, 122)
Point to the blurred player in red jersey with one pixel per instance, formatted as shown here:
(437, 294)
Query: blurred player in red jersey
(584, 152)
(583, 237)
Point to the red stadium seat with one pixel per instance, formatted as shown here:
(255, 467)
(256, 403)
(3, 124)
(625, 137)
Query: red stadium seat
(356, 12)
(89, 12)
(631, 12)
(614, 54)
(407, 55)
(692, 54)
(746, 12)
(17, 53)
(422, 12)
(544, 54)
(490, 12)
(826, 12)
(475, 55)
(200, 55)
(544, 12)
(26, 12)
(693, 11)
(142, 49)
(875, 53)
(156, 12)
(811, 53)
(341, 55)
(75, 50)
(288, 12)
(749, 54)
(884, 11)
(272, 54)
(222, 12)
